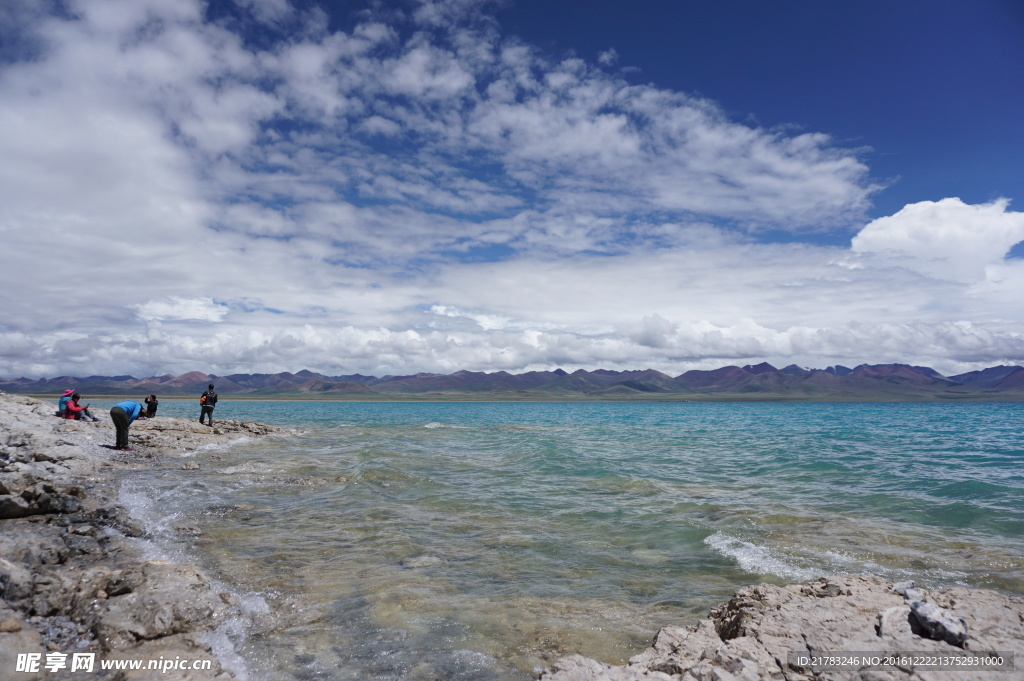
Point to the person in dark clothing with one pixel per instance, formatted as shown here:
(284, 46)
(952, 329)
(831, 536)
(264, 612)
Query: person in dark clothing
(123, 414)
(151, 405)
(208, 402)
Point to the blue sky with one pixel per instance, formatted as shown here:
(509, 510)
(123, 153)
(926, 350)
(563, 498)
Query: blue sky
(935, 88)
(265, 185)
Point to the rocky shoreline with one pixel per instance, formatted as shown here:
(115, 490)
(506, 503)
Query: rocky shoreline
(844, 628)
(74, 580)
(75, 588)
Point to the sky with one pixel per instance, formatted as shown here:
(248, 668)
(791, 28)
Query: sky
(392, 187)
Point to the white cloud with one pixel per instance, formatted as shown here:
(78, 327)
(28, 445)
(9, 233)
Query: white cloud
(484, 321)
(174, 308)
(608, 57)
(945, 239)
(171, 198)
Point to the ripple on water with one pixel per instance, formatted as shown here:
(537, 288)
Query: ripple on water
(481, 541)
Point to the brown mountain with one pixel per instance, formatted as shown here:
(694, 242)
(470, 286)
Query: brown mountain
(760, 381)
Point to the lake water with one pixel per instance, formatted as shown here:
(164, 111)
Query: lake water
(482, 540)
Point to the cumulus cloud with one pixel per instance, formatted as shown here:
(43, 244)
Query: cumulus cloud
(422, 192)
(946, 238)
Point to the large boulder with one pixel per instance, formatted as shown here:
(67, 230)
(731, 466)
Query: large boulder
(156, 599)
(761, 632)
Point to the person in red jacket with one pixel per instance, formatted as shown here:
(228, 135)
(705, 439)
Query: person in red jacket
(73, 410)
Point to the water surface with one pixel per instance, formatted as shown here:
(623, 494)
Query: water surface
(481, 540)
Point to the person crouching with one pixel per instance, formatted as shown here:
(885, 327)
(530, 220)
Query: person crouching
(123, 414)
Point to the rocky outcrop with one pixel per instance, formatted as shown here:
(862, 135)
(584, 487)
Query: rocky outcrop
(763, 631)
(70, 579)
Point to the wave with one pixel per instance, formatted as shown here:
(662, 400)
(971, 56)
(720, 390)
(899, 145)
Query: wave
(758, 559)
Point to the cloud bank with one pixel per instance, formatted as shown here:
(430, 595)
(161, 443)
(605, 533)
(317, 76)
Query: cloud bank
(261, 192)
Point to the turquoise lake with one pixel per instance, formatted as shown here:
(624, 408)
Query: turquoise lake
(483, 540)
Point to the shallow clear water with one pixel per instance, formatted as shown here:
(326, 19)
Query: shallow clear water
(480, 540)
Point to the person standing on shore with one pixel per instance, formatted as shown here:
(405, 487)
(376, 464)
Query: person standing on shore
(208, 401)
(151, 404)
(123, 414)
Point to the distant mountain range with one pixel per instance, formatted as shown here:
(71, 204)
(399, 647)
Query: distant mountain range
(751, 382)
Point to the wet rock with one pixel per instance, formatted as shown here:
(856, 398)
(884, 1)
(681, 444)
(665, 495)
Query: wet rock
(171, 648)
(164, 599)
(117, 518)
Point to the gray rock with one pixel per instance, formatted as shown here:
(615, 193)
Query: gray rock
(164, 599)
(51, 591)
(14, 506)
(24, 639)
(15, 581)
(168, 648)
(907, 590)
(913, 595)
(751, 636)
(32, 546)
(69, 583)
(940, 623)
(579, 668)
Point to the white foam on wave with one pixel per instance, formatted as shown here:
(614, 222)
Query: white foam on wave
(757, 559)
(844, 563)
(251, 467)
(225, 638)
(762, 560)
(435, 424)
(220, 446)
(142, 505)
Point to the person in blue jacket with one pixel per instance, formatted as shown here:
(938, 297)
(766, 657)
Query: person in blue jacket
(123, 414)
(62, 403)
